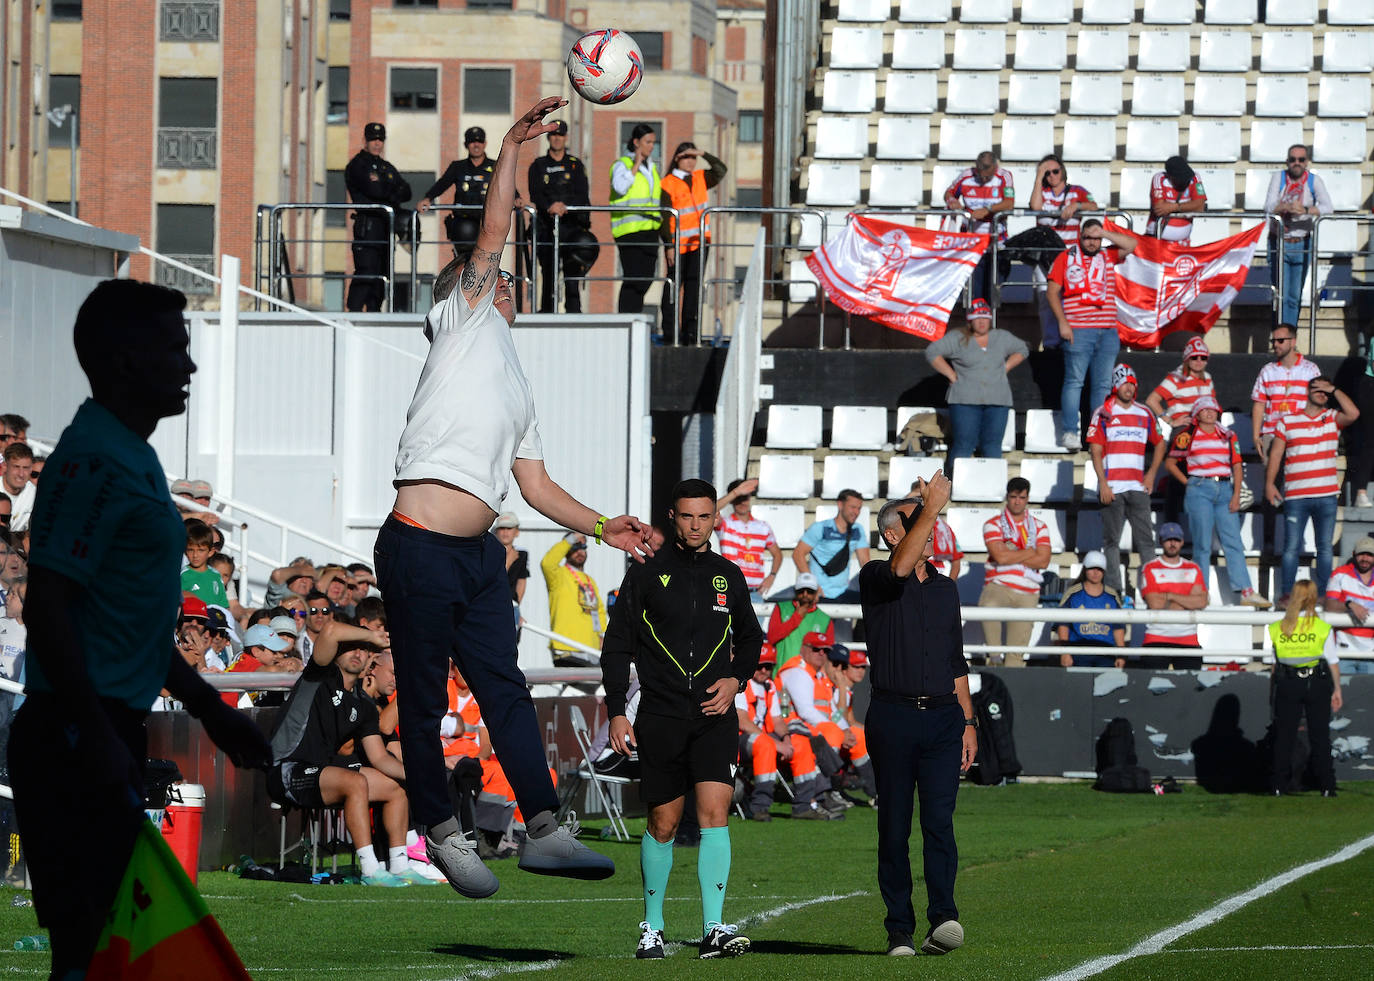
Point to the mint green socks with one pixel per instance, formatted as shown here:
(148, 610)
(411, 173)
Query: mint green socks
(655, 862)
(713, 874)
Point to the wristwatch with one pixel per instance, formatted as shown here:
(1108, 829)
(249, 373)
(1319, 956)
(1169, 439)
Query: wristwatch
(972, 722)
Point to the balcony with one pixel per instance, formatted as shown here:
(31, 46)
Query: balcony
(187, 147)
(189, 20)
(180, 279)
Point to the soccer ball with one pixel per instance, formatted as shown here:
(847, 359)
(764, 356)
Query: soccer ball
(605, 67)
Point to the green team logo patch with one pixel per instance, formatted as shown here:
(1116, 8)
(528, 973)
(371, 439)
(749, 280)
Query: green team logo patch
(719, 584)
(664, 579)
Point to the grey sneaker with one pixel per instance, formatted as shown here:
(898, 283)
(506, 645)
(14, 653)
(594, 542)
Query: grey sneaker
(559, 853)
(1071, 442)
(650, 943)
(948, 936)
(723, 940)
(815, 812)
(835, 801)
(456, 857)
(900, 945)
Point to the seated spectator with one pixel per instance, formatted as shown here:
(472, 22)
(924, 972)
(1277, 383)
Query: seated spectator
(793, 619)
(285, 627)
(762, 738)
(13, 428)
(1351, 590)
(224, 566)
(297, 577)
(13, 635)
(847, 669)
(36, 471)
(1018, 552)
(745, 540)
(363, 580)
(295, 607)
(1090, 592)
(576, 609)
(507, 530)
(18, 462)
(318, 613)
(371, 614)
(806, 692)
(825, 549)
(198, 579)
(221, 643)
(1171, 582)
(332, 580)
(193, 635)
(262, 651)
(6, 515)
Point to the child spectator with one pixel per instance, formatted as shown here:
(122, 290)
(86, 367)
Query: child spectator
(198, 579)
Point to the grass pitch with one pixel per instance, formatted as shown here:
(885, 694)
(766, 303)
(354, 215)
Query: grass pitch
(1051, 877)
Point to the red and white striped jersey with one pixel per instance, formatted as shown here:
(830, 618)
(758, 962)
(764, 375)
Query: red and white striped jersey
(1089, 288)
(1282, 390)
(1206, 454)
(1178, 579)
(1175, 227)
(1029, 532)
(1346, 586)
(944, 549)
(1309, 454)
(1125, 433)
(1178, 392)
(973, 195)
(1055, 201)
(745, 543)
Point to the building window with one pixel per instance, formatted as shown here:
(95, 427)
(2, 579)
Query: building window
(188, 20)
(68, 10)
(651, 47)
(64, 90)
(751, 126)
(748, 197)
(490, 5)
(66, 208)
(338, 95)
(415, 89)
(186, 232)
(487, 90)
(187, 123)
(418, 3)
(335, 192)
(340, 9)
(627, 127)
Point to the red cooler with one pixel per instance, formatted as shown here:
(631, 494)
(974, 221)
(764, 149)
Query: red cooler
(181, 824)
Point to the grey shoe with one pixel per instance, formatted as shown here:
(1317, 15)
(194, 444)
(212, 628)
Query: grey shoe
(948, 936)
(900, 945)
(456, 857)
(835, 801)
(559, 853)
(817, 813)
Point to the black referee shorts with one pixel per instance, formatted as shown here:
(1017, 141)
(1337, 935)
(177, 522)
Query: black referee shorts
(677, 754)
(295, 783)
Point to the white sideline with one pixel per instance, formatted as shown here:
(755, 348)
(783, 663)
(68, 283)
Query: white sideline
(1156, 943)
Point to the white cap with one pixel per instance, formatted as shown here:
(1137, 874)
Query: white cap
(807, 581)
(1095, 560)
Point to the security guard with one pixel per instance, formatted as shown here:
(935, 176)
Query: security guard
(635, 190)
(559, 179)
(1306, 679)
(471, 177)
(372, 180)
(684, 188)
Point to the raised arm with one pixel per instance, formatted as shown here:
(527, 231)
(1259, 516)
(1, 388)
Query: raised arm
(626, 532)
(1123, 240)
(911, 550)
(335, 633)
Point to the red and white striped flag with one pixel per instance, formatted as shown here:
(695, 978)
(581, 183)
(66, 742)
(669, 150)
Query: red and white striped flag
(904, 277)
(1162, 287)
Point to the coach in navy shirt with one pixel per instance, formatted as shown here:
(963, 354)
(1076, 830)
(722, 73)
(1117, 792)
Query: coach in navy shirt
(920, 722)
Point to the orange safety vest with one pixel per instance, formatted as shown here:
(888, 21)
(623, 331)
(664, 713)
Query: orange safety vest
(691, 224)
(759, 707)
(462, 704)
(821, 690)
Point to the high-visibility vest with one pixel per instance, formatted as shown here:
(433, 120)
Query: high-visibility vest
(1303, 647)
(821, 691)
(692, 226)
(637, 210)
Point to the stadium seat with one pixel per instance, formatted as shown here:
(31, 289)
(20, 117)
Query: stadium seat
(972, 93)
(1214, 141)
(1169, 11)
(810, 224)
(1102, 51)
(1163, 51)
(1271, 138)
(843, 471)
(979, 49)
(964, 139)
(1338, 238)
(1340, 140)
(1056, 523)
(1088, 139)
(856, 47)
(788, 521)
(918, 47)
(1157, 95)
(902, 472)
(1347, 51)
(1026, 138)
(1231, 11)
(905, 412)
(1097, 181)
(910, 92)
(1226, 51)
(802, 283)
(1089, 533)
(967, 525)
(896, 185)
(1219, 182)
(1291, 12)
(1151, 139)
(1345, 187)
(1050, 480)
(1343, 95)
(786, 477)
(1046, 11)
(1032, 94)
(1281, 95)
(984, 11)
(863, 11)
(1213, 229)
(903, 138)
(1356, 12)
(841, 138)
(793, 427)
(1135, 187)
(1095, 95)
(1286, 51)
(1041, 50)
(850, 91)
(1108, 11)
(925, 11)
(977, 479)
(1040, 432)
(1224, 637)
(832, 183)
(941, 177)
(1257, 188)
(1219, 95)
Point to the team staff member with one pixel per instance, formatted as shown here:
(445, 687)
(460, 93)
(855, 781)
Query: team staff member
(921, 728)
(372, 180)
(636, 188)
(558, 179)
(472, 178)
(685, 618)
(684, 188)
(1306, 680)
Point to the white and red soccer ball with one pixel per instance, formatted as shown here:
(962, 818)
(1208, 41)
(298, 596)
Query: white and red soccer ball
(605, 66)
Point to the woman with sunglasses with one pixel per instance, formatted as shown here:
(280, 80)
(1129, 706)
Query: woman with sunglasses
(1172, 400)
(1060, 203)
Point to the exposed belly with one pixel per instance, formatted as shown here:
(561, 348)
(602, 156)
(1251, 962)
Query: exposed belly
(444, 508)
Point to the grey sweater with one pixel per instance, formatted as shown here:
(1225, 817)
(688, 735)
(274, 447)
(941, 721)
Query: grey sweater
(982, 372)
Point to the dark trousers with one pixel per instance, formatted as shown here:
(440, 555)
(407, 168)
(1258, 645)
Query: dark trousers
(445, 598)
(916, 752)
(690, 273)
(572, 298)
(1361, 469)
(1293, 697)
(59, 808)
(366, 292)
(638, 262)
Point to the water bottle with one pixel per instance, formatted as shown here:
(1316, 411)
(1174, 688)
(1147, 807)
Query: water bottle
(38, 942)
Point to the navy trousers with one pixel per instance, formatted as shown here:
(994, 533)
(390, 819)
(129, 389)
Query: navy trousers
(916, 752)
(448, 598)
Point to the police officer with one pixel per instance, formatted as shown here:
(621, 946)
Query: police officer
(372, 180)
(471, 177)
(1306, 679)
(559, 179)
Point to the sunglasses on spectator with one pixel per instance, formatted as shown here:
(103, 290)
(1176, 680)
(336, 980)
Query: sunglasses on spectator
(298, 614)
(1197, 357)
(1297, 160)
(316, 610)
(506, 277)
(1279, 340)
(1054, 170)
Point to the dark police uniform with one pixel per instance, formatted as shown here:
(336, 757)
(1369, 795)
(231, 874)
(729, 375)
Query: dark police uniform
(372, 180)
(565, 181)
(320, 716)
(915, 730)
(472, 181)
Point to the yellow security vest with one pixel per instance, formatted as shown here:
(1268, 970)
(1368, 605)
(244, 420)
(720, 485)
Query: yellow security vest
(689, 198)
(1303, 647)
(637, 210)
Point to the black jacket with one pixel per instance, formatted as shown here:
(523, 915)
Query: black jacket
(373, 180)
(559, 180)
(685, 618)
(472, 181)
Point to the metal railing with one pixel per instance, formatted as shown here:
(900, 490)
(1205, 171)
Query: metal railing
(271, 257)
(522, 220)
(1319, 287)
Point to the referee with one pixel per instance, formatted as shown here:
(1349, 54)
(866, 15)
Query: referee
(921, 728)
(686, 619)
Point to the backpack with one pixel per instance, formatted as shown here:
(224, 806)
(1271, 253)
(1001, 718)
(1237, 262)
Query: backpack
(1118, 770)
(992, 706)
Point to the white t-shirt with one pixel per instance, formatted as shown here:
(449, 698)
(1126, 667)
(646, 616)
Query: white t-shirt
(472, 413)
(21, 506)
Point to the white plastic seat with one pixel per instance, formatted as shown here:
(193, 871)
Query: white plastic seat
(856, 47)
(812, 230)
(1295, 12)
(1231, 11)
(1338, 238)
(1271, 138)
(1050, 480)
(918, 47)
(1151, 139)
(1343, 95)
(910, 92)
(1347, 51)
(1056, 523)
(1163, 51)
(967, 525)
(1095, 95)
(1033, 94)
(903, 138)
(843, 471)
(1108, 12)
(984, 11)
(1286, 51)
(1157, 95)
(1214, 141)
(1256, 189)
(863, 11)
(925, 11)
(1038, 49)
(850, 91)
(1097, 181)
(786, 477)
(1169, 11)
(979, 49)
(802, 285)
(1340, 140)
(793, 427)
(1219, 95)
(1040, 432)
(972, 93)
(1281, 95)
(941, 177)
(896, 185)
(1224, 637)
(1225, 51)
(902, 472)
(1026, 138)
(832, 183)
(788, 521)
(1357, 12)
(841, 138)
(1102, 51)
(1220, 182)
(1213, 229)
(1345, 187)
(1046, 11)
(964, 138)
(905, 412)
(1135, 187)
(1089, 139)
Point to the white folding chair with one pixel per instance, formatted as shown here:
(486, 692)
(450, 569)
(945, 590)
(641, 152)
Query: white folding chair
(967, 525)
(1095, 95)
(1340, 140)
(1107, 11)
(1038, 49)
(1356, 12)
(1026, 138)
(1345, 185)
(849, 91)
(858, 427)
(963, 138)
(1219, 95)
(918, 47)
(856, 47)
(863, 11)
(1046, 11)
(977, 479)
(1343, 95)
(1057, 524)
(793, 427)
(910, 92)
(1033, 94)
(786, 477)
(1286, 51)
(843, 470)
(832, 183)
(841, 138)
(1163, 51)
(1225, 51)
(925, 11)
(607, 788)
(1170, 11)
(1040, 432)
(1102, 50)
(1050, 480)
(894, 185)
(1151, 139)
(1271, 138)
(1157, 95)
(984, 11)
(1231, 11)
(1214, 141)
(972, 93)
(1282, 95)
(788, 521)
(1089, 139)
(902, 472)
(903, 138)
(1219, 182)
(980, 49)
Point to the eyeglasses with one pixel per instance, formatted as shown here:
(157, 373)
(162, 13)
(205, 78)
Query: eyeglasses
(298, 614)
(1279, 340)
(1297, 160)
(1197, 357)
(1054, 170)
(506, 277)
(318, 610)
